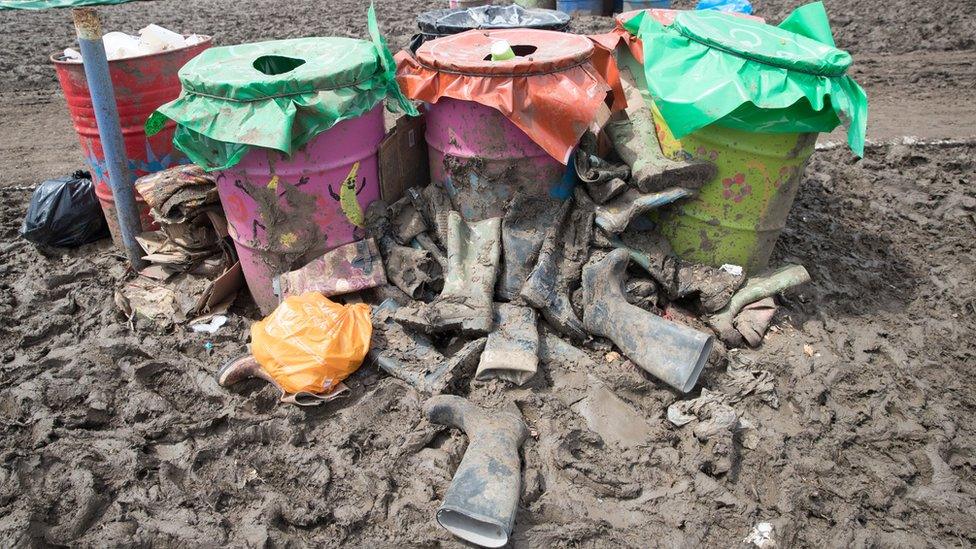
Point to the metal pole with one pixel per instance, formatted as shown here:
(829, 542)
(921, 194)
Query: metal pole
(109, 130)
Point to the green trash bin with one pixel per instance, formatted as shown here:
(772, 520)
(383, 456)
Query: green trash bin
(750, 98)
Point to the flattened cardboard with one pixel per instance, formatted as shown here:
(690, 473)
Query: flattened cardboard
(403, 158)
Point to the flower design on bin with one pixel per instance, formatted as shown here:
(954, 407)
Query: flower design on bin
(735, 187)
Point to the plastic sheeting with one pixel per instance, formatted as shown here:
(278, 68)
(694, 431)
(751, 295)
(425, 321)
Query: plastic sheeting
(711, 67)
(454, 21)
(64, 212)
(310, 344)
(558, 85)
(276, 95)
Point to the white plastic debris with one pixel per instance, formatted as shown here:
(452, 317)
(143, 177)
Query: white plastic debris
(210, 327)
(501, 51)
(734, 270)
(761, 536)
(119, 45)
(152, 39)
(155, 39)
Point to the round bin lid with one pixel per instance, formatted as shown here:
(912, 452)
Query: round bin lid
(453, 21)
(763, 43)
(537, 52)
(267, 69)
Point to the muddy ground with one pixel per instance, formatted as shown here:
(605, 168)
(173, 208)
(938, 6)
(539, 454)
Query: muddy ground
(120, 437)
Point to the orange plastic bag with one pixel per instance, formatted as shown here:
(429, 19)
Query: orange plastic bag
(310, 344)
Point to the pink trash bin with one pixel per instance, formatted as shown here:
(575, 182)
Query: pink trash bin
(284, 212)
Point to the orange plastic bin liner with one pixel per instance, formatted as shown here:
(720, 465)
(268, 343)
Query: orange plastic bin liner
(310, 344)
(556, 87)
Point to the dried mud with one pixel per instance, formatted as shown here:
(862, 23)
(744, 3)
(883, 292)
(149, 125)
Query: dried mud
(114, 436)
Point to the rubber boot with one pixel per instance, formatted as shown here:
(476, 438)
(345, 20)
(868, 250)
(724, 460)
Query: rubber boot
(480, 504)
(758, 287)
(512, 351)
(409, 269)
(523, 230)
(411, 357)
(634, 137)
(434, 205)
(616, 215)
(406, 221)
(678, 278)
(465, 303)
(247, 367)
(425, 242)
(556, 273)
(671, 352)
(603, 179)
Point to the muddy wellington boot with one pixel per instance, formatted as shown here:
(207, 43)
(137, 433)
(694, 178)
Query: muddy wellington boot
(409, 269)
(616, 215)
(671, 352)
(247, 367)
(603, 179)
(756, 288)
(466, 302)
(512, 351)
(411, 357)
(480, 504)
(434, 205)
(634, 137)
(527, 218)
(557, 271)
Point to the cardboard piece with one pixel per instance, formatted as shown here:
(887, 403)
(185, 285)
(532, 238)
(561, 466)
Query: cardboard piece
(403, 158)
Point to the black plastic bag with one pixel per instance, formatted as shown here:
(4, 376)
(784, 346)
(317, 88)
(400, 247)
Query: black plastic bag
(437, 23)
(64, 212)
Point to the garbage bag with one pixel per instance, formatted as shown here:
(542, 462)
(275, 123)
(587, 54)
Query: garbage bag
(454, 20)
(310, 344)
(65, 212)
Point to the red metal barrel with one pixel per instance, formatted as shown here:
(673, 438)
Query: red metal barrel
(142, 84)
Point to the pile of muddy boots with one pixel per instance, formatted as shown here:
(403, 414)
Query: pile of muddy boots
(472, 295)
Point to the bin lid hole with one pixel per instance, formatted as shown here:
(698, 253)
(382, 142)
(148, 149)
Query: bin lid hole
(277, 64)
(520, 50)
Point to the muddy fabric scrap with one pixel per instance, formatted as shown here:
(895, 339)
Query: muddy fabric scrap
(176, 193)
(349, 268)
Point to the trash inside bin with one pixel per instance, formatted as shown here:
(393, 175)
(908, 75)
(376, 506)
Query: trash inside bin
(496, 128)
(142, 83)
(767, 99)
(439, 23)
(293, 127)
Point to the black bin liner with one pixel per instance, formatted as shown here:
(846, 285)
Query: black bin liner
(437, 23)
(64, 212)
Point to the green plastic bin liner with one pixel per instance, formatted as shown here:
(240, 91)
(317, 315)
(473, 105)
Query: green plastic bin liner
(277, 95)
(710, 67)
